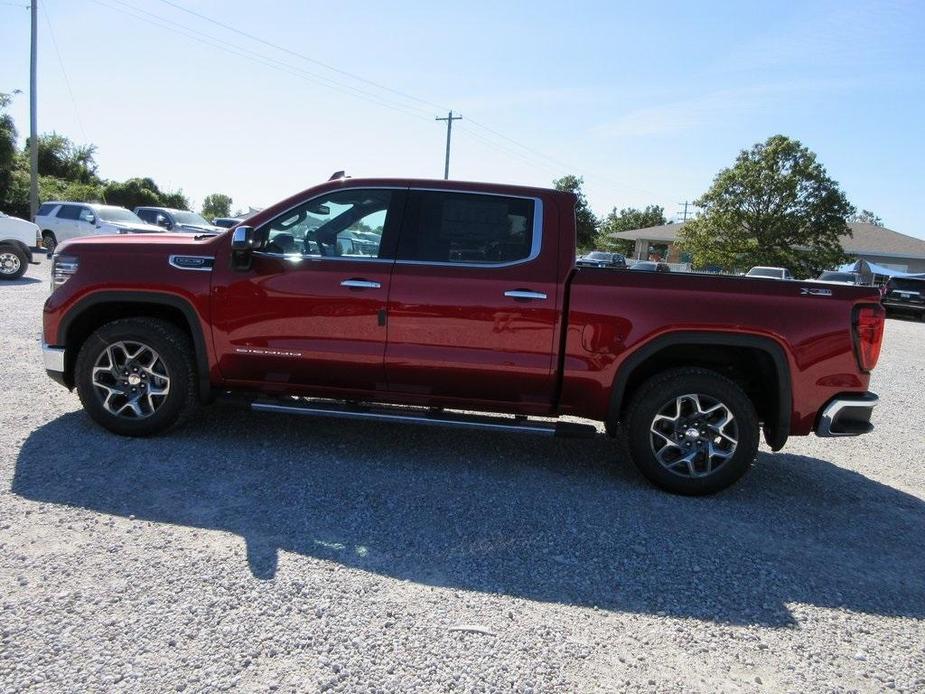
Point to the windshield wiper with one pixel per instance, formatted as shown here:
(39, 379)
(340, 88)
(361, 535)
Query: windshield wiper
(205, 235)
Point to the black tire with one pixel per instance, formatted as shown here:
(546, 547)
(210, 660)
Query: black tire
(705, 474)
(175, 362)
(49, 241)
(13, 262)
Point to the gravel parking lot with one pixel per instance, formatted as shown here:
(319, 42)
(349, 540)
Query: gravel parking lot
(271, 552)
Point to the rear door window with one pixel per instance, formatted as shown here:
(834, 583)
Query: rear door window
(69, 212)
(468, 229)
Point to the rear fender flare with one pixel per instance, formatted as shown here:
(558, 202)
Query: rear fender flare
(775, 434)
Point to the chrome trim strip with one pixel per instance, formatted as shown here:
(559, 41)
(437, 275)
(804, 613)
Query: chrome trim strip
(524, 427)
(830, 413)
(524, 294)
(172, 261)
(53, 357)
(299, 258)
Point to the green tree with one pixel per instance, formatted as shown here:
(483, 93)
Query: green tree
(867, 217)
(585, 221)
(216, 205)
(137, 192)
(628, 219)
(61, 158)
(8, 153)
(777, 206)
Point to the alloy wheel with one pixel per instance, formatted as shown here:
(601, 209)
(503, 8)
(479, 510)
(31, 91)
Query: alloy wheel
(693, 435)
(9, 263)
(131, 380)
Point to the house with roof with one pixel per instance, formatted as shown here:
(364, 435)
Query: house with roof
(875, 244)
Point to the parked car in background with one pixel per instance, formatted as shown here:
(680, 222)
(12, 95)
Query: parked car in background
(770, 273)
(227, 222)
(651, 266)
(17, 237)
(60, 221)
(834, 277)
(602, 259)
(905, 295)
(177, 220)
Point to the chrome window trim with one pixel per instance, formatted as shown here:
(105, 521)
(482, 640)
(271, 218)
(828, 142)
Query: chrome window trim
(172, 262)
(536, 243)
(298, 257)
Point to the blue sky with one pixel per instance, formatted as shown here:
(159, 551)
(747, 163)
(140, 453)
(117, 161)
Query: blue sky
(647, 101)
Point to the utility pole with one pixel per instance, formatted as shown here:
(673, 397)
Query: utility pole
(449, 129)
(684, 214)
(33, 126)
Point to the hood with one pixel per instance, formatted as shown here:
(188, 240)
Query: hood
(200, 228)
(135, 227)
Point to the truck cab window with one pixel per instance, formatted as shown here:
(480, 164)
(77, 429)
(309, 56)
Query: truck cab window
(466, 228)
(343, 224)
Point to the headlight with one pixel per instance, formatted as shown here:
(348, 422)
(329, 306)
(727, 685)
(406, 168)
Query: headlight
(62, 267)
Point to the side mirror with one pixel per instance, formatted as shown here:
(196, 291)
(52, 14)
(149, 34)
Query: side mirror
(244, 241)
(162, 221)
(91, 219)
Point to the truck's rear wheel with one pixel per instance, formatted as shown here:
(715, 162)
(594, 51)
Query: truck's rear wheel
(13, 263)
(136, 376)
(691, 431)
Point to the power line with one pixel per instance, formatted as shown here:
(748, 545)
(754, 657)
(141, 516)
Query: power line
(341, 86)
(67, 80)
(303, 56)
(213, 42)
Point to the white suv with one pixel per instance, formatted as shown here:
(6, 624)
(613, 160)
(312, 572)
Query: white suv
(60, 221)
(17, 237)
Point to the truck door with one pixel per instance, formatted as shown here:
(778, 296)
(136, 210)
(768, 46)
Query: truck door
(311, 309)
(472, 307)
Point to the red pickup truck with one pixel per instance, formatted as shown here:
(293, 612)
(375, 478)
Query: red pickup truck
(457, 304)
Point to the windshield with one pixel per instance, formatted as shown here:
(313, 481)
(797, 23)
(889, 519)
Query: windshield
(184, 217)
(644, 266)
(838, 277)
(117, 214)
(598, 255)
(765, 272)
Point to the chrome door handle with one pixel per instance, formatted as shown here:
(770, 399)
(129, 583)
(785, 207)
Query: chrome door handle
(360, 284)
(524, 294)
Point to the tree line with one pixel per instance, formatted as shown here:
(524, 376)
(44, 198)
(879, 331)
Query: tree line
(68, 171)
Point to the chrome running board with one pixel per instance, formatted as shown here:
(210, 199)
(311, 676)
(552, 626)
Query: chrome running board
(427, 417)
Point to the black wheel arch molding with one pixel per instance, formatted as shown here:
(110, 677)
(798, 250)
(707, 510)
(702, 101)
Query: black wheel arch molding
(776, 431)
(128, 297)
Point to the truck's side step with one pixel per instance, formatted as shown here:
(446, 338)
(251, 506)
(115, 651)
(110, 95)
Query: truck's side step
(420, 415)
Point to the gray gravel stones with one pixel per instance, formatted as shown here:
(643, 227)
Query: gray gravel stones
(274, 553)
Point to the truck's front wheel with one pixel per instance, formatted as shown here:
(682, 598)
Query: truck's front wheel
(136, 376)
(691, 431)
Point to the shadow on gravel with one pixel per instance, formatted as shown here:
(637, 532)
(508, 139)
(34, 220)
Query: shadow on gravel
(548, 520)
(20, 281)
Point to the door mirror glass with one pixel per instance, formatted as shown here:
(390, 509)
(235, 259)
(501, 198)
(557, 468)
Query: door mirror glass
(246, 239)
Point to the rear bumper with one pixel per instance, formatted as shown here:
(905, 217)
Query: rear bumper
(847, 415)
(903, 305)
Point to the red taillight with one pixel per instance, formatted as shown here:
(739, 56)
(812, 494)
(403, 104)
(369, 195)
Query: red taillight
(868, 335)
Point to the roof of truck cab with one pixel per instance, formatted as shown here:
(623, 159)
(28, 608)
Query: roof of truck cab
(443, 184)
